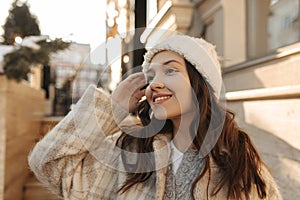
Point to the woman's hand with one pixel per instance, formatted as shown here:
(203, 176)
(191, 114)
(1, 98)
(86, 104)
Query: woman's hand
(129, 92)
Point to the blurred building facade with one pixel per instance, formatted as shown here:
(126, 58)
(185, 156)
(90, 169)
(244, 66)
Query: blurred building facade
(70, 73)
(66, 78)
(259, 46)
(120, 20)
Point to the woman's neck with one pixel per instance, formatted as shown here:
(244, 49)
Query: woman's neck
(181, 131)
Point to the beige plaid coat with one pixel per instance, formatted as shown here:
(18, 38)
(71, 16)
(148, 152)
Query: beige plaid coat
(78, 160)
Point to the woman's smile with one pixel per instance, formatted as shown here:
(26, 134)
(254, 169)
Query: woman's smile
(161, 98)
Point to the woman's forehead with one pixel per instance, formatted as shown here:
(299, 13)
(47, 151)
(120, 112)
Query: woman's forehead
(165, 55)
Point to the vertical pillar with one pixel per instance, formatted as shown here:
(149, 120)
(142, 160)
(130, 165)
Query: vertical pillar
(140, 24)
(3, 88)
(257, 27)
(234, 32)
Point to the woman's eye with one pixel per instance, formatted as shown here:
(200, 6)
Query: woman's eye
(170, 71)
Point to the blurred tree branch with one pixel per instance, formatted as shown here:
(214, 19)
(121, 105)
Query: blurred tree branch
(17, 63)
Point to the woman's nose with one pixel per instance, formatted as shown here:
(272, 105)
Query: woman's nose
(156, 85)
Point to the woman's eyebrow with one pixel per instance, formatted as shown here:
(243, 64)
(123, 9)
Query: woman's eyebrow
(170, 61)
(164, 63)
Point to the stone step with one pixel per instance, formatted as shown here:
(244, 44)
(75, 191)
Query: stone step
(34, 190)
(48, 123)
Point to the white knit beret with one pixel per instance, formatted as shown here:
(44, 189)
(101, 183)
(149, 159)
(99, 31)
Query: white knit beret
(197, 51)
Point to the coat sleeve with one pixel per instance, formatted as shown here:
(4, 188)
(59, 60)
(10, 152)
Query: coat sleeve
(66, 160)
(273, 192)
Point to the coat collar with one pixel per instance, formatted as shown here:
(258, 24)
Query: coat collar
(162, 153)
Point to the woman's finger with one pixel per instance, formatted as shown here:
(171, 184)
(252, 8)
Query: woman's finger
(135, 76)
(138, 79)
(138, 94)
(135, 84)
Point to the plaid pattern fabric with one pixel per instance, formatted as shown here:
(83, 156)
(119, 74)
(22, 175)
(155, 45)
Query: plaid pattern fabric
(78, 159)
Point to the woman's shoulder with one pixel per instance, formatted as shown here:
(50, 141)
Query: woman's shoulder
(272, 187)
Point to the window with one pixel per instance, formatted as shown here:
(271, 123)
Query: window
(283, 23)
(270, 25)
(151, 10)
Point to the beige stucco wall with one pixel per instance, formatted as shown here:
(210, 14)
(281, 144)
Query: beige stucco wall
(275, 72)
(2, 139)
(22, 109)
(234, 31)
(257, 25)
(273, 125)
(226, 28)
(265, 95)
(272, 115)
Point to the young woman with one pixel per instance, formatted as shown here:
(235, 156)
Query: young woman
(181, 145)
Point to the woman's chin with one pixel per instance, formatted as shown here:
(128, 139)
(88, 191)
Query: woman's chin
(160, 117)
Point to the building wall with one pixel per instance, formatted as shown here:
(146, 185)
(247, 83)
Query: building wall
(263, 89)
(226, 28)
(273, 125)
(257, 28)
(22, 110)
(265, 95)
(262, 84)
(276, 70)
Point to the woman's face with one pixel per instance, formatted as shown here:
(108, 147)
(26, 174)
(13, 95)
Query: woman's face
(169, 92)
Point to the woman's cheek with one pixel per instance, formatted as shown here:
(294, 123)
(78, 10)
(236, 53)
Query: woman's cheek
(148, 95)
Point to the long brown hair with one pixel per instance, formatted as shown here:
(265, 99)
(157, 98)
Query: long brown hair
(236, 157)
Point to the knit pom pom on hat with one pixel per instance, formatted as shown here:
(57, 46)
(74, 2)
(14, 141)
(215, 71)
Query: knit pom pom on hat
(197, 51)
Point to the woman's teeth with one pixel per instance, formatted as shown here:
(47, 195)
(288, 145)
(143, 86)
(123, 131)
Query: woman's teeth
(161, 98)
